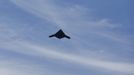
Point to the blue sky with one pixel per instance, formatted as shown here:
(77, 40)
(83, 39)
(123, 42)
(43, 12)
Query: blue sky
(101, 37)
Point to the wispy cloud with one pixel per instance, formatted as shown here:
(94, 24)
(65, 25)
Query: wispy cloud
(62, 15)
(17, 67)
(115, 66)
(114, 37)
(6, 33)
(40, 51)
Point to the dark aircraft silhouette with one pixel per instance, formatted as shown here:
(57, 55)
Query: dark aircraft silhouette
(60, 34)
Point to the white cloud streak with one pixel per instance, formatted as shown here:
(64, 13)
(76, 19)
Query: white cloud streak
(127, 68)
(114, 37)
(65, 16)
(8, 67)
(6, 34)
(16, 67)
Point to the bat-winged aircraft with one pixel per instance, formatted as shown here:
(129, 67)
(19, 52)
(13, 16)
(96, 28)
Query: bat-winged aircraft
(60, 34)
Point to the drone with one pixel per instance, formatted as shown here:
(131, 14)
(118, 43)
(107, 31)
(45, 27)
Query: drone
(60, 34)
